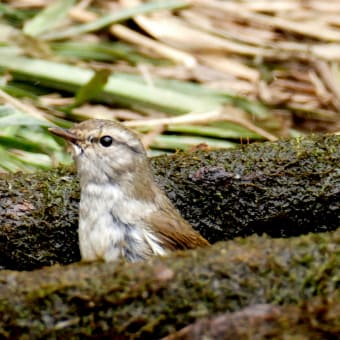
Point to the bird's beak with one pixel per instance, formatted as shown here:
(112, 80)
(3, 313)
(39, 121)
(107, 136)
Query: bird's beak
(64, 133)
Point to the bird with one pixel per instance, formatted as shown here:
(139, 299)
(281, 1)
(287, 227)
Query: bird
(122, 211)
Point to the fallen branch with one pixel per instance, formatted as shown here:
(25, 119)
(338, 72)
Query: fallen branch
(315, 319)
(149, 300)
(286, 188)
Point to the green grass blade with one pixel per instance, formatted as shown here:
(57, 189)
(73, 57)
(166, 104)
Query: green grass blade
(114, 18)
(221, 130)
(18, 92)
(11, 117)
(117, 89)
(253, 107)
(15, 142)
(179, 142)
(93, 87)
(7, 163)
(103, 51)
(49, 18)
(13, 15)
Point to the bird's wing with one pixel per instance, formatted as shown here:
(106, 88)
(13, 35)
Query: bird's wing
(174, 232)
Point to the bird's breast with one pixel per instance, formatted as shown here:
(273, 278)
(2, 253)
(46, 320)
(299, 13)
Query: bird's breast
(111, 225)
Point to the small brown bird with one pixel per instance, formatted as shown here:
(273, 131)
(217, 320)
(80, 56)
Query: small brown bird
(122, 212)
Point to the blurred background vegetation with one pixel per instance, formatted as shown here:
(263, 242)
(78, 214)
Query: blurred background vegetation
(185, 74)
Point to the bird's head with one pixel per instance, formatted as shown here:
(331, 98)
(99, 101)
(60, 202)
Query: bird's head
(103, 150)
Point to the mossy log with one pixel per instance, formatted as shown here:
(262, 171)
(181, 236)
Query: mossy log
(286, 188)
(148, 300)
(315, 319)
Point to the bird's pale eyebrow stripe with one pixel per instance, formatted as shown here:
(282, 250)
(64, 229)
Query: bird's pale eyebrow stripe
(132, 148)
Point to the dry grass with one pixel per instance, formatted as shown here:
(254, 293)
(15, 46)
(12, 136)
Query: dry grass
(259, 69)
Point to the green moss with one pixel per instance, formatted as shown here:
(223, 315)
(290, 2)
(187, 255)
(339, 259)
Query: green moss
(151, 299)
(314, 319)
(39, 219)
(283, 189)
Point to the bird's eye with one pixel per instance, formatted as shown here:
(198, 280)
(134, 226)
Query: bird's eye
(106, 141)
